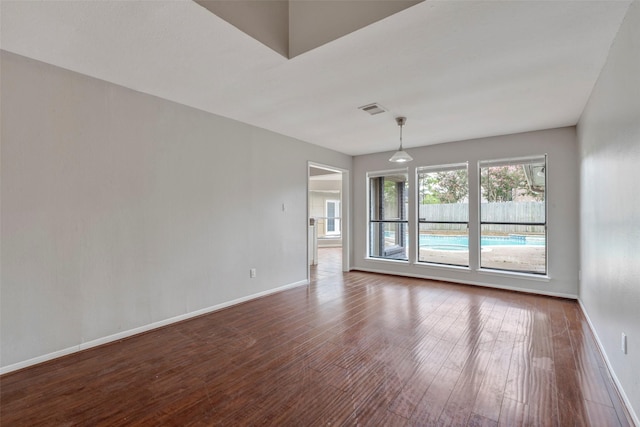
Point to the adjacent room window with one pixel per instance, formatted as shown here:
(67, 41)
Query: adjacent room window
(513, 227)
(443, 215)
(388, 198)
(332, 212)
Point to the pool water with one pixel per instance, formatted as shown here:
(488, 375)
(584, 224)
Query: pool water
(452, 243)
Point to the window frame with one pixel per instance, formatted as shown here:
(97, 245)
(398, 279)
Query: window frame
(401, 222)
(434, 169)
(336, 218)
(543, 158)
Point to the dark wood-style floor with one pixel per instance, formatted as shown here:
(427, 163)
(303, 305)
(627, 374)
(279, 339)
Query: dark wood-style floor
(352, 349)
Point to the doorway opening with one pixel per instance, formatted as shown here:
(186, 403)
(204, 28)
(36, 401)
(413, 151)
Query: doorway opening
(328, 225)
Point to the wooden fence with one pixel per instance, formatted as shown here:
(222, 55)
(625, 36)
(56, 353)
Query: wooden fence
(512, 212)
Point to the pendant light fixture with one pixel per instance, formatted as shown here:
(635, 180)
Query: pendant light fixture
(401, 156)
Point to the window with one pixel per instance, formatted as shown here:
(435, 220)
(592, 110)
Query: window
(513, 215)
(443, 215)
(332, 212)
(388, 198)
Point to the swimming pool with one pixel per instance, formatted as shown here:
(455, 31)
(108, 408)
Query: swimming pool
(461, 243)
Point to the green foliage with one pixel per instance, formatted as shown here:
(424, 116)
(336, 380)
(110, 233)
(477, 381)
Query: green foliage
(391, 194)
(430, 199)
(444, 187)
(499, 184)
(503, 183)
(395, 193)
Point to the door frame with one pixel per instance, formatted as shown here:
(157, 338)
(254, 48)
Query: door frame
(345, 213)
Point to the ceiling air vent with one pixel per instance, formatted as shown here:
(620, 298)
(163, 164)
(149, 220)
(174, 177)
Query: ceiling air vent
(372, 109)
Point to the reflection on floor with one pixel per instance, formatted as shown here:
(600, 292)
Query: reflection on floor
(329, 263)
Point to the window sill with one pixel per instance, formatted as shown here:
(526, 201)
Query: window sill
(446, 267)
(501, 273)
(386, 260)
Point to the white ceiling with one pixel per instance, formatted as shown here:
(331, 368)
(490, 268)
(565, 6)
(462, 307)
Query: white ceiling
(456, 69)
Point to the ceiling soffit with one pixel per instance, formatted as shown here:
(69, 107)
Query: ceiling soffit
(293, 27)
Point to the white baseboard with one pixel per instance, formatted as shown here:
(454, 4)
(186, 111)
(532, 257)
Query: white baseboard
(468, 282)
(141, 329)
(626, 400)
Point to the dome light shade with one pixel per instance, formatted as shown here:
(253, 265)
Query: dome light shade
(401, 156)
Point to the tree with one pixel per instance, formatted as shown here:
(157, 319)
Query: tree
(444, 187)
(503, 183)
(498, 184)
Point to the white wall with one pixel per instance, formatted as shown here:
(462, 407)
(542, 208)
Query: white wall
(562, 194)
(609, 144)
(121, 210)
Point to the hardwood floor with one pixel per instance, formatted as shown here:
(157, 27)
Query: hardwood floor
(349, 349)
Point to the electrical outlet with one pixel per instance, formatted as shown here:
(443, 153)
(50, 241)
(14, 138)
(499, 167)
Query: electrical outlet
(252, 273)
(623, 343)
